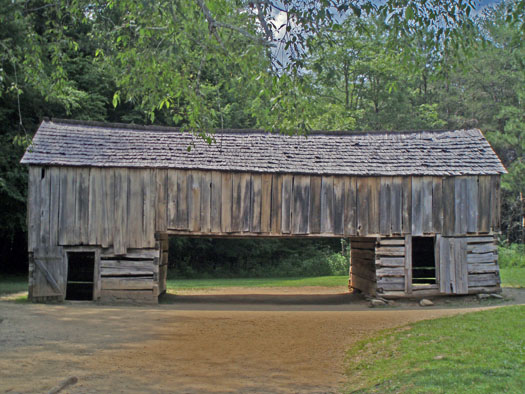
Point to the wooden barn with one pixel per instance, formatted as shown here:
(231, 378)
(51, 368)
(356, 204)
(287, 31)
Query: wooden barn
(421, 209)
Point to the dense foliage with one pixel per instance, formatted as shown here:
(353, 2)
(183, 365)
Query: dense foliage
(289, 65)
(230, 258)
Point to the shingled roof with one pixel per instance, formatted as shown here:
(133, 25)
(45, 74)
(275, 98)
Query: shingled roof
(73, 143)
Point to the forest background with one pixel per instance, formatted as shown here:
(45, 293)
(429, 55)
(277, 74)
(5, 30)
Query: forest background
(201, 65)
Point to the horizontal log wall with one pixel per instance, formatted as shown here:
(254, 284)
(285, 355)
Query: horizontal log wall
(131, 276)
(482, 264)
(390, 264)
(464, 265)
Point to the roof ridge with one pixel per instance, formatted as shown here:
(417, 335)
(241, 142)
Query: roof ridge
(137, 127)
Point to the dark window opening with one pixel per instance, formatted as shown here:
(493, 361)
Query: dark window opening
(423, 261)
(80, 275)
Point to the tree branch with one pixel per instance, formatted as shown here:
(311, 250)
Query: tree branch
(262, 21)
(213, 24)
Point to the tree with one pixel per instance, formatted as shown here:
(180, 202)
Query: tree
(166, 48)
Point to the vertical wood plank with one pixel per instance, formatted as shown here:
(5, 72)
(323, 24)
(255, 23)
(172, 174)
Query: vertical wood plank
(396, 205)
(350, 214)
(54, 207)
(246, 209)
(100, 205)
(472, 204)
(172, 199)
(256, 201)
(314, 216)
(120, 241)
(437, 204)
(95, 206)
(362, 205)
(484, 204)
(461, 265)
(449, 218)
(417, 206)
(227, 202)
(426, 204)
(287, 196)
(339, 204)
(237, 201)
(266, 203)
(437, 258)
(277, 187)
(67, 222)
(82, 206)
(452, 267)
(446, 260)
(63, 210)
(45, 202)
(33, 207)
(301, 204)
(135, 208)
(205, 209)
(385, 205)
(216, 201)
(181, 222)
(161, 206)
(373, 205)
(327, 204)
(108, 213)
(407, 204)
(150, 196)
(194, 200)
(408, 264)
(460, 196)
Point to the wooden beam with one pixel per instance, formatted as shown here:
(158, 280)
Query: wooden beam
(408, 264)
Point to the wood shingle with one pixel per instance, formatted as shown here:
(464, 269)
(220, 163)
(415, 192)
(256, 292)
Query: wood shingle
(435, 153)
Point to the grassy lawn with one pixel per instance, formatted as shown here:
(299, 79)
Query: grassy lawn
(512, 277)
(329, 281)
(13, 284)
(482, 352)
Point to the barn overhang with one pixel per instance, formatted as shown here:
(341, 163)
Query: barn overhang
(112, 193)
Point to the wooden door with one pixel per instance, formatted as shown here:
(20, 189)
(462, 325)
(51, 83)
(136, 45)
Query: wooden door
(453, 274)
(48, 276)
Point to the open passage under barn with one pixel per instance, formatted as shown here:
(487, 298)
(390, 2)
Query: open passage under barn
(421, 209)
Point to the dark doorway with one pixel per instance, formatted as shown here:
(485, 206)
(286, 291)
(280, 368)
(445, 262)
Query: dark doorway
(80, 275)
(423, 261)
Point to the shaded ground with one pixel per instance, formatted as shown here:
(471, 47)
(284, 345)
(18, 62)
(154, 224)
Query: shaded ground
(197, 346)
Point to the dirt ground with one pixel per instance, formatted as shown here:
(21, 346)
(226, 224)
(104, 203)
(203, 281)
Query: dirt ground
(228, 340)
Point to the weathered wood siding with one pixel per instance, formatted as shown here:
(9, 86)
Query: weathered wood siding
(464, 265)
(392, 259)
(133, 276)
(122, 210)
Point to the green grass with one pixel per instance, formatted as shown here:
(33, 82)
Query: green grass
(482, 352)
(329, 281)
(512, 256)
(13, 284)
(512, 277)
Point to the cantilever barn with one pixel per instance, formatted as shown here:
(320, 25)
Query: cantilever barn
(421, 209)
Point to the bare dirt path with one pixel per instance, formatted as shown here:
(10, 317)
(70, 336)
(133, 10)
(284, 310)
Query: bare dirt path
(190, 347)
